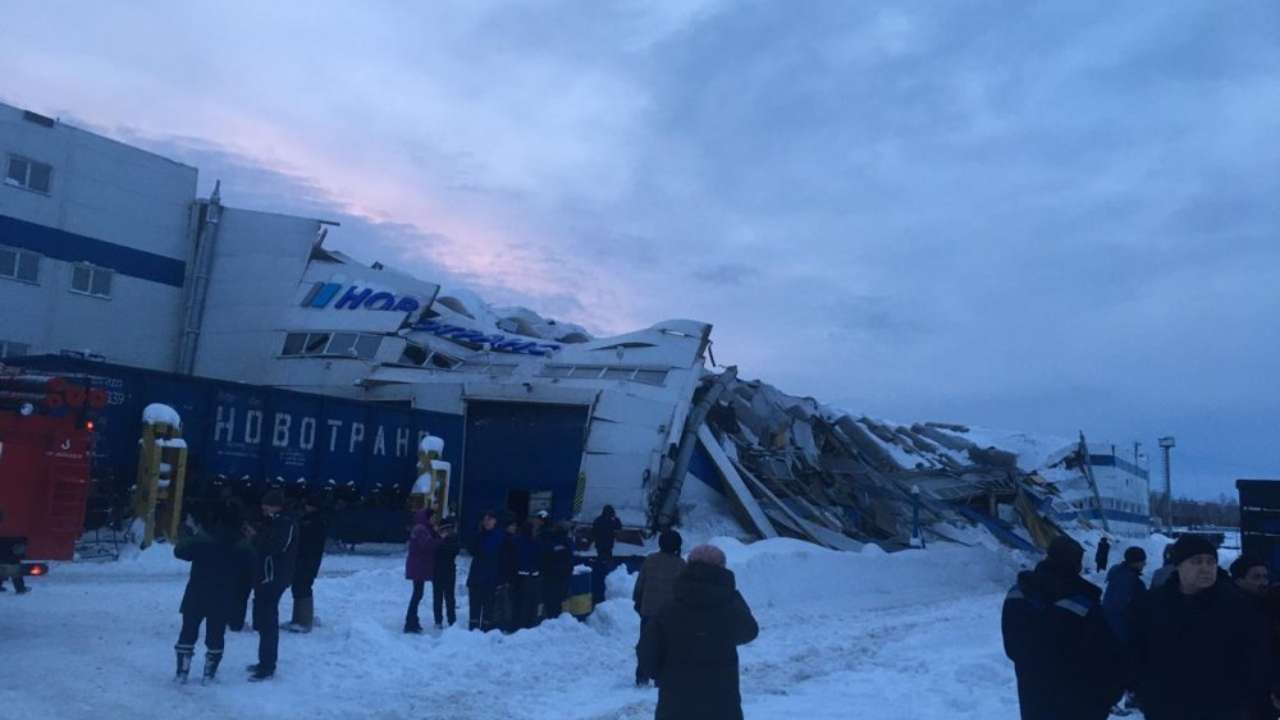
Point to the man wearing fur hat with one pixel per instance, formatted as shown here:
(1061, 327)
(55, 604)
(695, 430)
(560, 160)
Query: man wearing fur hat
(1202, 657)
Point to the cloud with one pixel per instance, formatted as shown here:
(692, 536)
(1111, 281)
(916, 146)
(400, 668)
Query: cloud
(1045, 216)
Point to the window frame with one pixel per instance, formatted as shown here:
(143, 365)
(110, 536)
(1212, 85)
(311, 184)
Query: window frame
(18, 254)
(94, 272)
(25, 182)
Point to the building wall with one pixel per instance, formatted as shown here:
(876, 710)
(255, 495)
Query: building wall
(108, 204)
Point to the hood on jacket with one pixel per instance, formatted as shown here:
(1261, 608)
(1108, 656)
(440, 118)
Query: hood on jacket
(705, 585)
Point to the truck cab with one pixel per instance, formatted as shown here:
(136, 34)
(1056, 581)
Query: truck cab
(46, 438)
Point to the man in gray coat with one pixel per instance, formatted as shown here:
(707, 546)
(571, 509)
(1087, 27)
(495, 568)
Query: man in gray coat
(655, 587)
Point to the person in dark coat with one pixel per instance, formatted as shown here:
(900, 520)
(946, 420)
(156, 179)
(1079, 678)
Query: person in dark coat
(234, 507)
(445, 579)
(604, 531)
(486, 572)
(655, 586)
(1202, 655)
(505, 600)
(1166, 569)
(557, 568)
(1103, 555)
(276, 545)
(691, 646)
(420, 565)
(313, 533)
(526, 590)
(1252, 578)
(1064, 655)
(1125, 594)
(218, 559)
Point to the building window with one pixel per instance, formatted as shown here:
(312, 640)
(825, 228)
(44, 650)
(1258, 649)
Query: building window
(29, 174)
(91, 280)
(361, 345)
(18, 264)
(9, 349)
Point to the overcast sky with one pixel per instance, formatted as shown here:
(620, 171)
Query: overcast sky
(1050, 217)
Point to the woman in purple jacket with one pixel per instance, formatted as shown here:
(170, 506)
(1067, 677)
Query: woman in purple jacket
(420, 565)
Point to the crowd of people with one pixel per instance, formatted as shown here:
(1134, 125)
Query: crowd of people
(692, 616)
(1202, 643)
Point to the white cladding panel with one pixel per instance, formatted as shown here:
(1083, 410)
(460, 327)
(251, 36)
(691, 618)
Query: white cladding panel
(108, 192)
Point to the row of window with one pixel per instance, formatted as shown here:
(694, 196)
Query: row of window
(10, 349)
(1111, 504)
(605, 372)
(29, 174)
(24, 265)
(340, 344)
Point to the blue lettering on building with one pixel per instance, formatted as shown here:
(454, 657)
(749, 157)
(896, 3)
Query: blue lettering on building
(497, 343)
(322, 295)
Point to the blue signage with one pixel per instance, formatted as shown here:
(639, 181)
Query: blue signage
(497, 343)
(322, 294)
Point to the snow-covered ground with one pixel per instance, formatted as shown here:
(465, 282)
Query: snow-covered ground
(914, 635)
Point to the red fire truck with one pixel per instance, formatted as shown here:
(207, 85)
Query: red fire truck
(46, 439)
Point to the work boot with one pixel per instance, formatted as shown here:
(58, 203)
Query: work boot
(211, 660)
(260, 673)
(184, 652)
(303, 615)
(412, 626)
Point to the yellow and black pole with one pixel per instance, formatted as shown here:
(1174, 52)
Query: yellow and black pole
(162, 471)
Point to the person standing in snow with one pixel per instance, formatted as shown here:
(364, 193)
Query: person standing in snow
(527, 587)
(486, 568)
(277, 548)
(655, 586)
(1252, 578)
(313, 532)
(604, 532)
(505, 600)
(691, 646)
(218, 560)
(1125, 594)
(420, 565)
(557, 568)
(1203, 657)
(234, 507)
(1103, 555)
(1064, 656)
(445, 578)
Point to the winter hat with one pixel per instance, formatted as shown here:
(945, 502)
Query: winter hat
(1243, 564)
(709, 554)
(1066, 553)
(1135, 554)
(1188, 546)
(273, 498)
(542, 514)
(670, 541)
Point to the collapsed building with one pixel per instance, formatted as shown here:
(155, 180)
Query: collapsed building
(534, 414)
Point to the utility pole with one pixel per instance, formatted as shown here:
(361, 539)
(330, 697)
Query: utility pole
(1167, 443)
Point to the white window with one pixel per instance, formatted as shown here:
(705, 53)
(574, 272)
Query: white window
(91, 280)
(347, 344)
(18, 264)
(10, 349)
(29, 174)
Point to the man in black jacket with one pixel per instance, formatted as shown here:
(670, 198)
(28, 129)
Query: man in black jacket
(557, 568)
(605, 532)
(1063, 653)
(276, 545)
(218, 559)
(1203, 657)
(444, 579)
(313, 532)
(691, 646)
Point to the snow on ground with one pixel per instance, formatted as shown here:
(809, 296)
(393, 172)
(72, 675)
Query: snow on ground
(911, 635)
